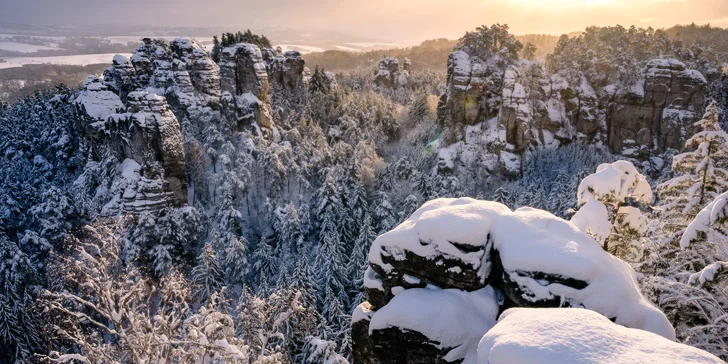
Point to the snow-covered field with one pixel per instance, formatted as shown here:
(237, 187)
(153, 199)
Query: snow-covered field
(124, 39)
(376, 45)
(24, 48)
(76, 60)
(304, 49)
(348, 49)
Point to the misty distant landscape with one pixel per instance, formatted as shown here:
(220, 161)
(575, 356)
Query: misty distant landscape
(463, 181)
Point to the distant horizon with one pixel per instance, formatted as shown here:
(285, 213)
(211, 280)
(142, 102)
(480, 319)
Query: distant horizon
(208, 31)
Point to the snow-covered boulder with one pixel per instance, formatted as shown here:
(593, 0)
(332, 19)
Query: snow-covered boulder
(419, 322)
(548, 262)
(464, 245)
(445, 243)
(526, 335)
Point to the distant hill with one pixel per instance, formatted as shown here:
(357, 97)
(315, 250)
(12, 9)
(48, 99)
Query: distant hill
(715, 37)
(430, 54)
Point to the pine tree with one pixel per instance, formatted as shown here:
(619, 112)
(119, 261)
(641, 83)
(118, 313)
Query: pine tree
(216, 49)
(334, 318)
(359, 261)
(319, 82)
(249, 320)
(359, 204)
(9, 333)
(424, 187)
(503, 196)
(207, 274)
(329, 263)
(384, 212)
(305, 322)
(411, 204)
(703, 173)
(236, 260)
(264, 262)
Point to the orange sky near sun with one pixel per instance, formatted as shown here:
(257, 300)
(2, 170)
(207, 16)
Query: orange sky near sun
(425, 19)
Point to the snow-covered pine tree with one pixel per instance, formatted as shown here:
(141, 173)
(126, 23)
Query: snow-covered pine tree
(305, 322)
(264, 263)
(605, 212)
(702, 174)
(384, 212)
(359, 261)
(502, 195)
(335, 320)
(329, 266)
(236, 265)
(207, 274)
(411, 204)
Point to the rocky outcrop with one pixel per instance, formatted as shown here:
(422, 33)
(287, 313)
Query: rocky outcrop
(510, 107)
(245, 87)
(436, 283)
(287, 70)
(182, 72)
(136, 110)
(96, 100)
(658, 113)
(120, 77)
(289, 84)
(148, 134)
(390, 75)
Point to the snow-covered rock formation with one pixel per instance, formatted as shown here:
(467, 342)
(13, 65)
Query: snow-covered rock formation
(182, 72)
(508, 107)
(568, 335)
(136, 110)
(390, 75)
(149, 135)
(453, 252)
(245, 87)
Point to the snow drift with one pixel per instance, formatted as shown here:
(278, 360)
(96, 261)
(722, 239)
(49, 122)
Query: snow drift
(548, 335)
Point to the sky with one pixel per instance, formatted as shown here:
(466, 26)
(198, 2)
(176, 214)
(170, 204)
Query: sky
(407, 21)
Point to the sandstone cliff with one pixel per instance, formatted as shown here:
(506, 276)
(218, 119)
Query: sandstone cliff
(508, 108)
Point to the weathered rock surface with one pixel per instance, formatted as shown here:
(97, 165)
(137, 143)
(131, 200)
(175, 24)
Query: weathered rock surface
(287, 70)
(244, 79)
(289, 83)
(454, 257)
(137, 108)
(182, 71)
(149, 134)
(96, 101)
(516, 106)
(390, 75)
(659, 114)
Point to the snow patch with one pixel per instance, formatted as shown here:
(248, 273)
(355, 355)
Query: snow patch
(454, 318)
(572, 335)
